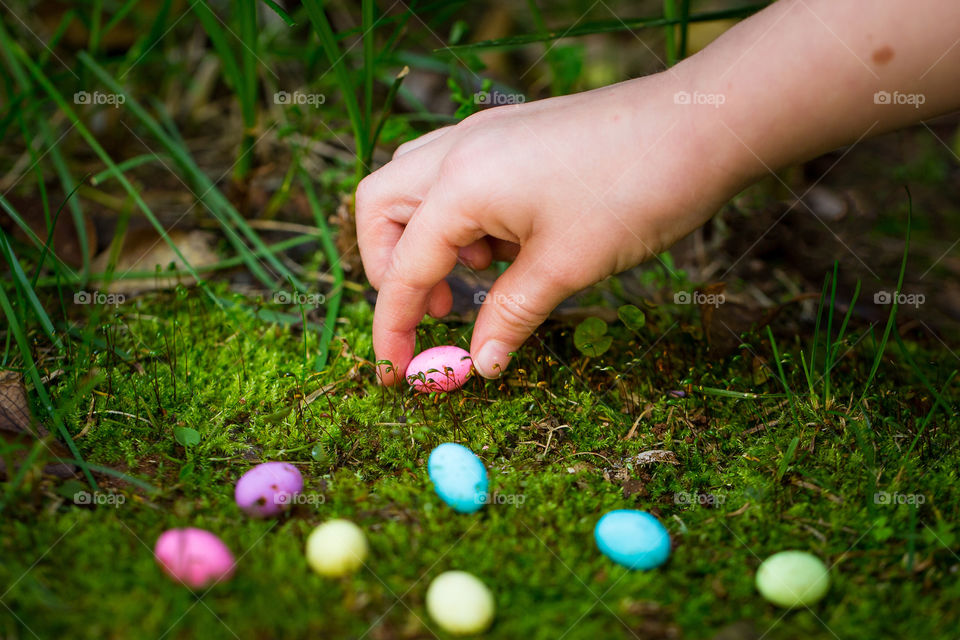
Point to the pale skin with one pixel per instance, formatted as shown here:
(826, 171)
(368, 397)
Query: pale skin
(576, 188)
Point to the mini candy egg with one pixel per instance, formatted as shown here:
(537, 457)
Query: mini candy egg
(195, 557)
(458, 477)
(460, 603)
(336, 548)
(633, 538)
(268, 489)
(439, 369)
(793, 579)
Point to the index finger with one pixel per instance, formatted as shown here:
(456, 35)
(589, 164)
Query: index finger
(424, 255)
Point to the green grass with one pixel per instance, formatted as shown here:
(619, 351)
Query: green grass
(810, 483)
(165, 400)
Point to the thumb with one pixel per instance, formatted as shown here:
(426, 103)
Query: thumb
(519, 302)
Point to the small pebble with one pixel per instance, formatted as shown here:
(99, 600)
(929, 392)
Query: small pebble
(195, 557)
(439, 369)
(793, 579)
(634, 539)
(268, 489)
(336, 548)
(459, 603)
(459, 477)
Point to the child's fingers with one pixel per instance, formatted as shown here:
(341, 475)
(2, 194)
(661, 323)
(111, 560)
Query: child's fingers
(519, 302)
(476, 255)
(386, 200)
(416, 143)
(440, 301)
(426, 252)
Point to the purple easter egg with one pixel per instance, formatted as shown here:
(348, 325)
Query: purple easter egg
(268, 489)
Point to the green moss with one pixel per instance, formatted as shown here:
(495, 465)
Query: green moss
(552, 434)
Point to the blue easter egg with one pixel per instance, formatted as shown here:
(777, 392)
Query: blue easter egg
(459, 477)
(633, 538)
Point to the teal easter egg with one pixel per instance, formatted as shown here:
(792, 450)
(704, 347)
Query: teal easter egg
(458, 477)
(634, 539)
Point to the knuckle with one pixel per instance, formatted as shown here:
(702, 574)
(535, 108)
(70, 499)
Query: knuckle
(515, 311)
(366, 192)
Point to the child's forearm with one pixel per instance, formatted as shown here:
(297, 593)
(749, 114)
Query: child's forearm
(806, 76)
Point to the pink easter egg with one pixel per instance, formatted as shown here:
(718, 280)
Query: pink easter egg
(439, 369)
(194, 557)
(268, 489)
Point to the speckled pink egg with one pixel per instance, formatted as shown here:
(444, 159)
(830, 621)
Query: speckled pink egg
(268, 489)
(439, 369)
(195, 557)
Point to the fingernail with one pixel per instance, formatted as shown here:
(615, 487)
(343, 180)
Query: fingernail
(492, 359)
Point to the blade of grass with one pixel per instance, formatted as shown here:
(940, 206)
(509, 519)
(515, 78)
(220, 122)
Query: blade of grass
(607, 26)
(385, 112)
(892, 318)
(783, 377)
(247, 91)
(333, 258)
(328, 42)
(684, 27)
(277, 9)
(366, 10)
(31, 370)
(221, 208)
(669, 32)
(131, 163)
(105, 158)
(23, 284)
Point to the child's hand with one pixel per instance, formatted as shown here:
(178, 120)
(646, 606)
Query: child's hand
(571, 189)
(580, 187)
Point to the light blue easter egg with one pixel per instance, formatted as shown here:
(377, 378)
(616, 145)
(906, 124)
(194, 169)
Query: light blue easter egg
(459, 477)
(633, 538)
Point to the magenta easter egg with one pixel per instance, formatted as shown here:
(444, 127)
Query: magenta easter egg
(195, 557)
(268, 489)
(439, 369)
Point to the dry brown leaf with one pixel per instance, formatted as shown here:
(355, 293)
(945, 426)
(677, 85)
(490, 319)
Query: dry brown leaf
(656, 456)
(143, 250)
(17, 427)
